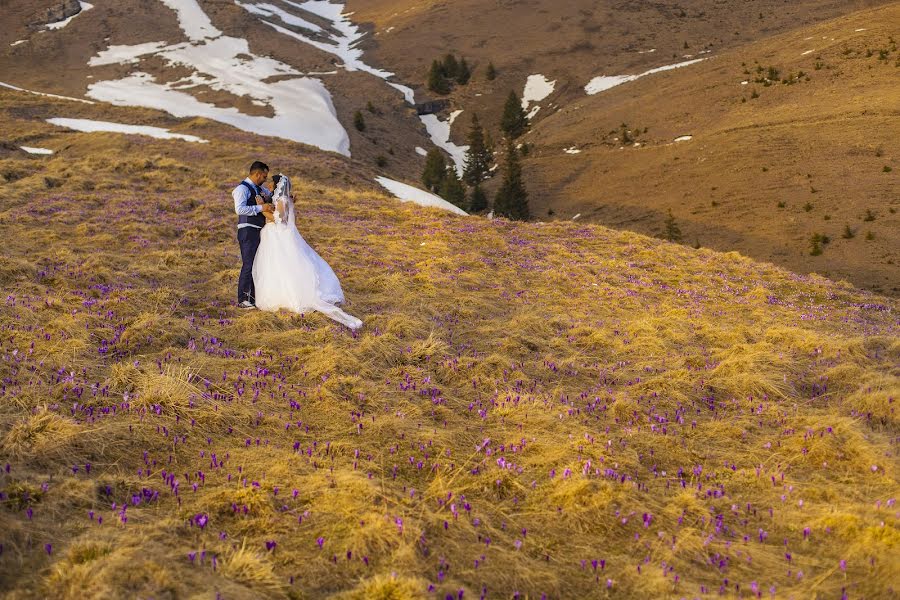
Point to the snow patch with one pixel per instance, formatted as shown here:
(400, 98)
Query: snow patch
(60, 24)
(303, 109)
(32, 150)
(439, 131)
(270, 10)
(421, 151)
(576, 216)
(17, 42)
(807, 52)
(605, 82)
(860, 29)
(408, 193)
(120, 55)
(684, 138)
(572, 150)
(537, 87)
(647, 51)
(90, 126)
(192, 20)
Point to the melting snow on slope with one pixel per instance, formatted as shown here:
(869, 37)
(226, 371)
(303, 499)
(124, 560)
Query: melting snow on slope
(60, 24)
(90, 126)
(684, 138)
(343, 44)
(32, 150)
(572, 150)
(408, 193)
(303, 111)
(193, 21)
(537, 87)
(605, 82)
(270, 10)
(439, 131)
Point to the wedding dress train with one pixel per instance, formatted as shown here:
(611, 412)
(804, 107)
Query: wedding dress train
(288, 273)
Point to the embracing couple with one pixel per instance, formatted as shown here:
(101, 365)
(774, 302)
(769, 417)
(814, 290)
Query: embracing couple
(280, 270)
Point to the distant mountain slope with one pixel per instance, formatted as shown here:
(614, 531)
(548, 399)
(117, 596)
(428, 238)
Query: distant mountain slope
(824, 145)
(763, 175)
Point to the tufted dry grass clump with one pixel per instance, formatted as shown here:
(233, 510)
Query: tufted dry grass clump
(542, 409)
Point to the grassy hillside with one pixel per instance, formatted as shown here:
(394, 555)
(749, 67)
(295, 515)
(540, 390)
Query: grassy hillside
(550, 409)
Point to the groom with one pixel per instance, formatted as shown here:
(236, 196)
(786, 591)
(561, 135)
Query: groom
(252, 203)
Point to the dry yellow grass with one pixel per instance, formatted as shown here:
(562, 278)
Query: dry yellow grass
(556, 409)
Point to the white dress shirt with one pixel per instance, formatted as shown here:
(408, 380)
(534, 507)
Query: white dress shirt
(241, 194)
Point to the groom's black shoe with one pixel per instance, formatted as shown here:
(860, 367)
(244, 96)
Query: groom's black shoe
(246, 304)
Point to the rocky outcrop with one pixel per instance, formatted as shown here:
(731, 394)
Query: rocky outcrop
(59, 11)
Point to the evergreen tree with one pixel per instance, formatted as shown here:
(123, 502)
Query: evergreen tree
(512, 199)
(477, 200)
(450, 67)
(478, 157)
(437, 83)
(491, 72)
(464, 73)
(435, 166)
(358, 121)
(514, 122)
(452, 189)
(673, 232)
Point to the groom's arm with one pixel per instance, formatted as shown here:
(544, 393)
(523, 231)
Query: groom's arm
(240, 195)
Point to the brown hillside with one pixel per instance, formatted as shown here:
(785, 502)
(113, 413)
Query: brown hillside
(761, 175)
(821, 145)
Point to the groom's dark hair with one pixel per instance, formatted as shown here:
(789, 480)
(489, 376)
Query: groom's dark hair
(258, 166)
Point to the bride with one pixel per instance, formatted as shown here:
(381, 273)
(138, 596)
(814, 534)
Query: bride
(288, 273)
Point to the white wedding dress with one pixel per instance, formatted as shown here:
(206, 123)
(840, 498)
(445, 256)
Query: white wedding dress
(288, 273)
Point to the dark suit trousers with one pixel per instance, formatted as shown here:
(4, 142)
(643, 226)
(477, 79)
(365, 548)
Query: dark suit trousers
(248, 238)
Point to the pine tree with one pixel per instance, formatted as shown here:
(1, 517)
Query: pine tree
(463, 73)
(478, 157)
(437, 83)
(452, 189)
(450, 67)
(435, 166)
(673, 232)
(514, 122)
(491, 73)
(358, 121)
(477, 200)
(512, 199)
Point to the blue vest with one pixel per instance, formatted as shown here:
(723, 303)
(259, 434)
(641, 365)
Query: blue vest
(258, 220)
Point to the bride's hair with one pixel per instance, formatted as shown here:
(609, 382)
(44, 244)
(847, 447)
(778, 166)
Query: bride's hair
(275, 180)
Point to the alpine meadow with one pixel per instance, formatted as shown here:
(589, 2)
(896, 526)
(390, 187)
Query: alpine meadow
(566, 384)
